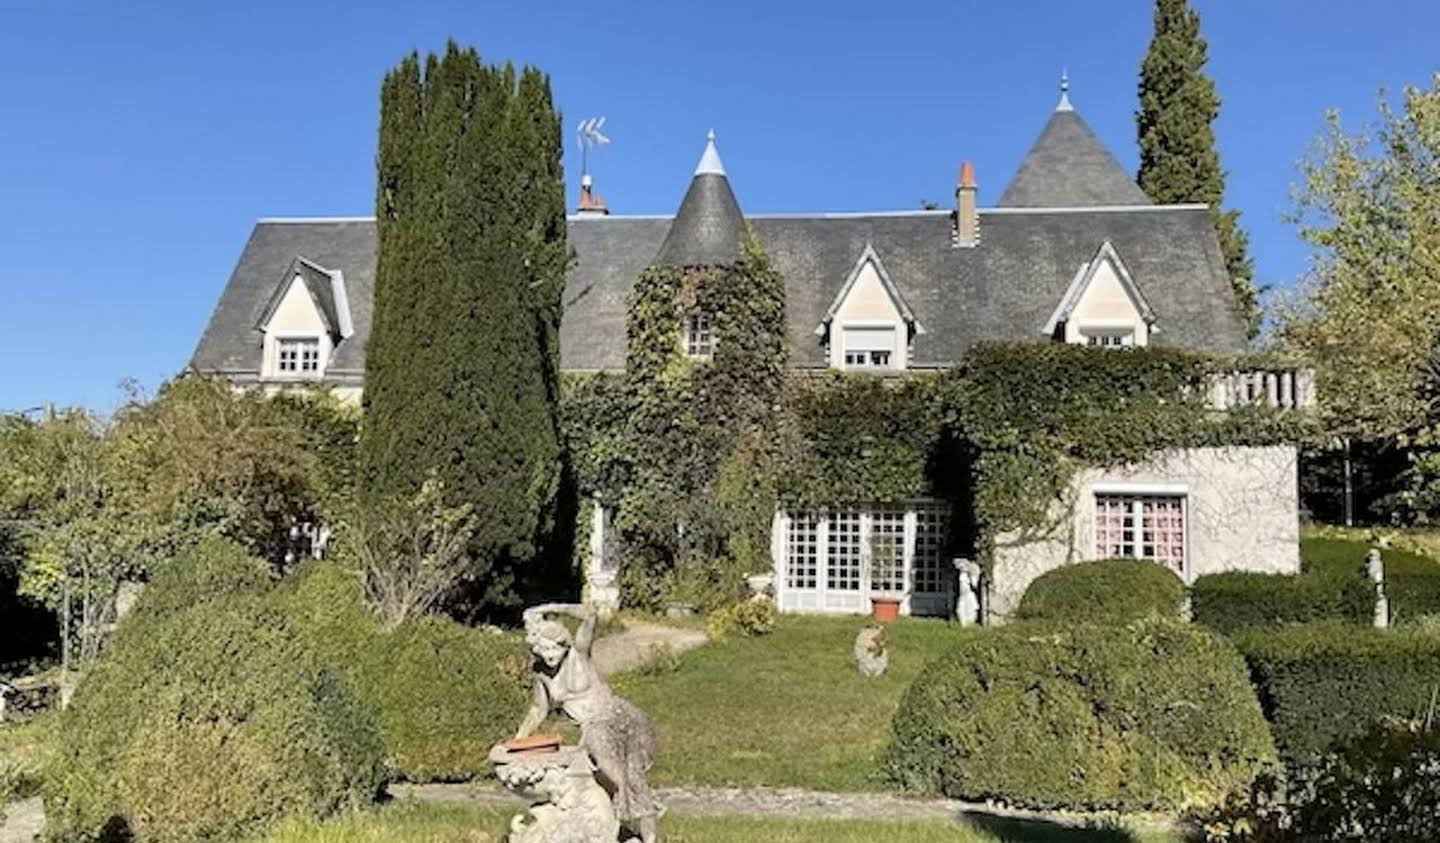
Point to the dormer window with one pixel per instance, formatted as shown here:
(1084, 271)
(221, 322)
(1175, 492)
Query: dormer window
(298, 356)
(868, 325)
(699, 336)
(868, 347)
(1108, 337)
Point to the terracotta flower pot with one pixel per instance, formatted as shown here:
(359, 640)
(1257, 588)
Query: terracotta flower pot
(885, 609)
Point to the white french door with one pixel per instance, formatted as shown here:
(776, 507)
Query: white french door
(835, 561)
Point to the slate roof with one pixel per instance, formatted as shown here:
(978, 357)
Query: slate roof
(709, 228)
(1069, 167)
(321, 287)
(1004, 288)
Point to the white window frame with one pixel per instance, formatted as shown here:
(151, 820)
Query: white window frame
(699, 336)
(894, 356)
(1108, 337)
(301, 342)
(822, 598)
(1138, 492)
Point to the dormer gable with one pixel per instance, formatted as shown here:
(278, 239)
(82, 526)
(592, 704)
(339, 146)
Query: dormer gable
(868, 324)
(1103, 305)
(306, 317)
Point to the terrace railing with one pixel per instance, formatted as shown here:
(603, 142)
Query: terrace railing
(1285, 387)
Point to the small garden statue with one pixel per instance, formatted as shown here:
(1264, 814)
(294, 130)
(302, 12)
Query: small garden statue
(967, 597)
(615, 735)
(1375, 571)
(572, 807)
(872, 651)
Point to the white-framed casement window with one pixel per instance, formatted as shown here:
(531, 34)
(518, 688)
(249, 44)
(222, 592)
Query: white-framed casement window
(868, 346)
(298, 356)
(1109, 337)
(835, 560)
(1141, 526)
(699, 336)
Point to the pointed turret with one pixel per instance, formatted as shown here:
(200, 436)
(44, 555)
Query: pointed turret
(709, 228)
(1068, 167)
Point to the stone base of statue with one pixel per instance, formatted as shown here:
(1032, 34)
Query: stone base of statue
(567, 804)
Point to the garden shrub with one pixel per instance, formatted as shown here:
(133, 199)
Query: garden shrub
(1323, 684)
(748, 617)
(214, 723)
(1237, 600)
(1154, 715)
(1111, 591)
(213, 570)
(444, 693)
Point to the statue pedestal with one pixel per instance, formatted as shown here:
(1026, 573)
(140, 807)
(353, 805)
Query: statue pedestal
(567, 804)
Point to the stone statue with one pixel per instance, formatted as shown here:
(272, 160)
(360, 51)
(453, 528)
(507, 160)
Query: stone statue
(967, 598)
(1375, 571)
(616, 735)
(872, 651)
(570, 806)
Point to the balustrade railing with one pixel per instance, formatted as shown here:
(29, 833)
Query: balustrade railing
(1289, 388)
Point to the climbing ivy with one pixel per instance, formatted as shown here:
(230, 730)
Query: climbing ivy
(696, 456)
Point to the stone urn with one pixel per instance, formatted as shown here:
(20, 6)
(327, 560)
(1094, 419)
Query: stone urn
(761, 586)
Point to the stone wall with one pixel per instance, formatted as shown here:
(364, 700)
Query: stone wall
(1242, 513)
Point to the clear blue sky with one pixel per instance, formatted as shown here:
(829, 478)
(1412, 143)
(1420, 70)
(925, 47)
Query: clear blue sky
(140, 141)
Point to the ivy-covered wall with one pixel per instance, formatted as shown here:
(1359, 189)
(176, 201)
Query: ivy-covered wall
(1002, 436)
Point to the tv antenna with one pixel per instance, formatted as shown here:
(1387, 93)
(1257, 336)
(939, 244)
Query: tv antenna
(590, 137)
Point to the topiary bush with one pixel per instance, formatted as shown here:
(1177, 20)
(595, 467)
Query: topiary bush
(1234, 601)
(1325, 683)
(209, 723)
(213, 570)
(444, 693)
(1153, 715)
(1110, 591)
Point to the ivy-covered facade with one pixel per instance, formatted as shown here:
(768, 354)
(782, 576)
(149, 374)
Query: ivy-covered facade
(852, 402)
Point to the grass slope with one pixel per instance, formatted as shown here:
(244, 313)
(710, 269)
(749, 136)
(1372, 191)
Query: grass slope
(787, 709)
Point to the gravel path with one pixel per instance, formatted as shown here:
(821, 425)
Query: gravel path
(625, 650)
(798, 804)
(23, 821)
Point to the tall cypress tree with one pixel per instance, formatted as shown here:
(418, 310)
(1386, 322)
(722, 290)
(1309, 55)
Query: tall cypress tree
(1178, 160)
(462, 361)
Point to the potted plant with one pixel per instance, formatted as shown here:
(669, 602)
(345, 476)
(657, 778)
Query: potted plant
(884, 555)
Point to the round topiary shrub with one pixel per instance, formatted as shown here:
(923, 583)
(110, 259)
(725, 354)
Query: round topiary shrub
(215, 569)
(1110, 591)
(1157, 715)
(211, 725)
(445, 693)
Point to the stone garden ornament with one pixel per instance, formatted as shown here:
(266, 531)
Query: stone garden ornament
(615, 737)
(967, 592)
(1375, 571)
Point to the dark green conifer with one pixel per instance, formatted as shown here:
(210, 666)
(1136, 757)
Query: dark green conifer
(462, 361)
(1178, 160)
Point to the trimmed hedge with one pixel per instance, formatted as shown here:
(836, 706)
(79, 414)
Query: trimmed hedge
(1238, 600)
(1412, 580)
(1110, 591)
(1331, 587)
(208, 723)
(1154, 715)
(444, 693)
(1326, 683)
(214, 570)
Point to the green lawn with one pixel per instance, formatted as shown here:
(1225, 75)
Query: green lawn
(405, 822)
(22, 750)
(783, 710)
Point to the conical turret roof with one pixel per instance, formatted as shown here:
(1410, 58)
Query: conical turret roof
(1068, 167)
(709, 228)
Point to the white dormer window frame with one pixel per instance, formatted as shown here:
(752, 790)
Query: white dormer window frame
(699, 335)
(861, 343)
(1064, 324)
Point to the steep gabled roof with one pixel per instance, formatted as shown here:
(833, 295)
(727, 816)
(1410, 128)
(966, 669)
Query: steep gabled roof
(871, 257)
(1068, 167)
(1083, 279)
(1001, 290)
(708, 229)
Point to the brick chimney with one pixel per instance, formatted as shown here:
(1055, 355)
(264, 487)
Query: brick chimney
(590, 201)
(967, 219)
